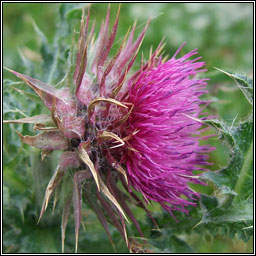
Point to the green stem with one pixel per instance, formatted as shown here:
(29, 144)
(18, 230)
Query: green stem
(245, 169)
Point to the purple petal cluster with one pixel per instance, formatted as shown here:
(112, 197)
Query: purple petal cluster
(165, 138)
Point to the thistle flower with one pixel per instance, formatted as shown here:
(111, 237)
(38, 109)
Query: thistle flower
(140, 128)
(166, 151)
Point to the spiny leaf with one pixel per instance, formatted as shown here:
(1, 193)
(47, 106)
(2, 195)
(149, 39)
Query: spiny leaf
(231, 209)
(243, 135)
(222, 128)
(239, 141)
(237, 212)
(229, 219)
(244, 83)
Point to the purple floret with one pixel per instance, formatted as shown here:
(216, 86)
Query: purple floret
(166, 147)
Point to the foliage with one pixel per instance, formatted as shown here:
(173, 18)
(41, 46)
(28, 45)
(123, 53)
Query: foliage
(226, 211)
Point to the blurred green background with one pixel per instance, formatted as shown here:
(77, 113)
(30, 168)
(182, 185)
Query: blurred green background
(223, 34)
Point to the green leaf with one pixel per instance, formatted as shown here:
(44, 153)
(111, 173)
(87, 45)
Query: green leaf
(29, 67)
(244, 184)
(243, 135)
(239, 140)
(67, 80)
(168, 243)
(14, 181)
(238, 212)
(49, 55)
(71, 10)
(244, 83)
(230, 210)
(40, 241)
(29, 95)
(227, 176)
(230, 220)
(180, 246)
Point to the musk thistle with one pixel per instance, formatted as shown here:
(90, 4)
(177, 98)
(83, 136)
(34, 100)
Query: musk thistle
(139, 129)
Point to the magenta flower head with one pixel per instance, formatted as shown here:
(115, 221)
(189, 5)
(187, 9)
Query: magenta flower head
(115, 126)
(163, 123)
